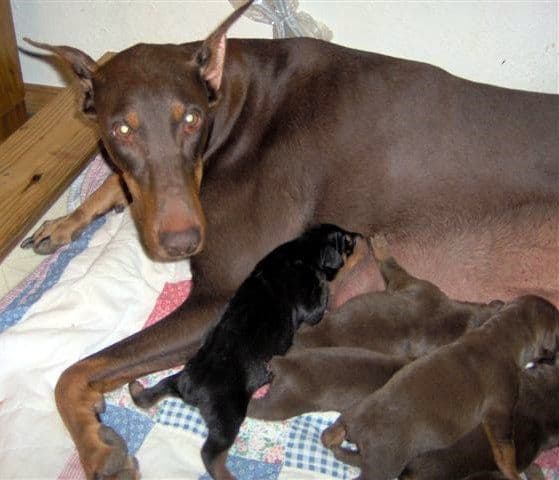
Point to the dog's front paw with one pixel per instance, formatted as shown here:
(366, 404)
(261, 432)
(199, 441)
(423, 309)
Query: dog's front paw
(53, 234)
(115, 463)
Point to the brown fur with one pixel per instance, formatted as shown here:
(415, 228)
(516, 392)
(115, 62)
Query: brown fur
(410, 318)
(434, 401)
(322, 379)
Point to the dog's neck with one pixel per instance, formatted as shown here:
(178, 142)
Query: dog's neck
(258, 77)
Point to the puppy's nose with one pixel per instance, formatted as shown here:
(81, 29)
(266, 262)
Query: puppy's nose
(182, 243)
(351, 240)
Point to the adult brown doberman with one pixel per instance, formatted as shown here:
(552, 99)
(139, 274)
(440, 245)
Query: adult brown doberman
(230, 147)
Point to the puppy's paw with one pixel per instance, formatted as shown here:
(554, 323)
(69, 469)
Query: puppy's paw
(334, 435)
(140, 395)
(380, 247)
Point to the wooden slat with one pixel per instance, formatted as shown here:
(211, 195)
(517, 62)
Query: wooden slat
(12, 106)
(39, 161)
(37, 96)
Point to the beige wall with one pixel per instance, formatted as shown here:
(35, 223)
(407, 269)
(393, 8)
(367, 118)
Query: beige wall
(511, 44)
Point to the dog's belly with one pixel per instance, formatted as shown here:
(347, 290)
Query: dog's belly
(469, 256)
(499, 257)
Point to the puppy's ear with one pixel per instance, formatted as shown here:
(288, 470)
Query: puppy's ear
(211, 56)
(331, 259)
(83, 66)
(497, 304)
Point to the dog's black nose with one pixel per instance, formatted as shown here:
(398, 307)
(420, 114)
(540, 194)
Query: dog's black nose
(182, 243)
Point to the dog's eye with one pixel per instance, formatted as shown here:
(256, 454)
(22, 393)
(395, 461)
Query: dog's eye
(191, 121)
(122, 130)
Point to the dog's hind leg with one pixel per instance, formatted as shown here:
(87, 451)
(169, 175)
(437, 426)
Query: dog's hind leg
(146, 397)
(223, 418)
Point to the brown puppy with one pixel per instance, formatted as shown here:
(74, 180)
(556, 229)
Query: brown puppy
(322, 379)
(336, 378)
(436, 400)
(409, 319)
(536, 429)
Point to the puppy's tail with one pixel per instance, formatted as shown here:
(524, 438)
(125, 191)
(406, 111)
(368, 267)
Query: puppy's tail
(147, 397)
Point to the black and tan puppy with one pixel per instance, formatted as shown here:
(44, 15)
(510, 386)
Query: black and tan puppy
(287, 288)
(435, 400)
(536, 429)
(322, 379)
(409, 319)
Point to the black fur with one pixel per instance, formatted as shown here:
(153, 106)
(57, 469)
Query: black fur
(287, 288)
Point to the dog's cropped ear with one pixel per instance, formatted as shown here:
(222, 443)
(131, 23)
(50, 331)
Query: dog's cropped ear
(83, 66)
(211, 56)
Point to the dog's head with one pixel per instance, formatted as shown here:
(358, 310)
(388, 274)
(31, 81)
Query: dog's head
(154, 105)
(330, 248)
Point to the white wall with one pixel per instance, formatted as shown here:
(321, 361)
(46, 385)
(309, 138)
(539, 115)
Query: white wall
(512, 44)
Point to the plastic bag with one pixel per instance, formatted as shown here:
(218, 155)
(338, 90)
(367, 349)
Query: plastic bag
(285, 19)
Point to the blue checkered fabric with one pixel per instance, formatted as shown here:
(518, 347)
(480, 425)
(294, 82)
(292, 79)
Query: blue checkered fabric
(305, 451)
(244, 468)
(302, 448)
(175, 413)
(132, 425)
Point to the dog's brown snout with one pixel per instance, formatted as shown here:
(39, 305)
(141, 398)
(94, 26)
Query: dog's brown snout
(181, 243)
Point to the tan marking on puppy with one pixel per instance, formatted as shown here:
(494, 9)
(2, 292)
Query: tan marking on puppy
(355, 277)
(504, 454)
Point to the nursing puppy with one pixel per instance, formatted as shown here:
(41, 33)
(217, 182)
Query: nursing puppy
(409, 319)
(322, 379)
(336, 378)
(435, 400)
(536, 429)
(287, 288)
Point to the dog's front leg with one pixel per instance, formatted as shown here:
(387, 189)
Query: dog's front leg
(53, 234)
(79, 392)
(498, 427)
